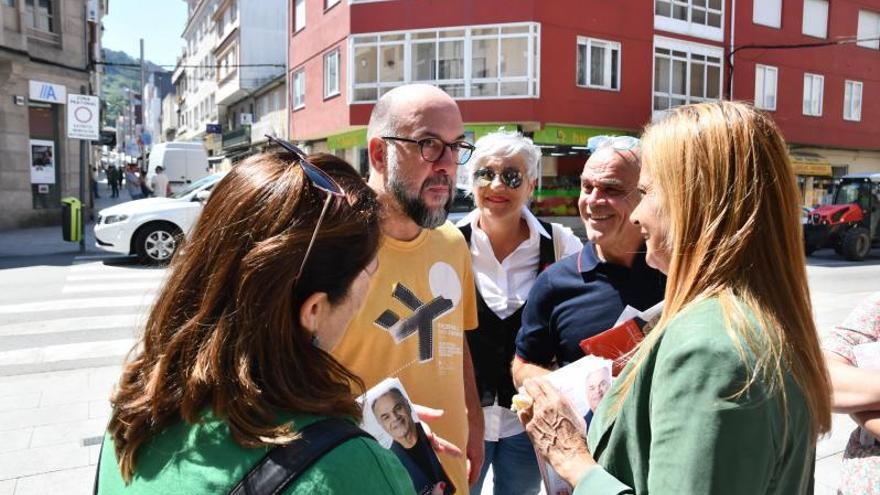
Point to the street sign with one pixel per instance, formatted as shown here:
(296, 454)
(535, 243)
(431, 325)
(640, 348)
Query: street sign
(83, 117)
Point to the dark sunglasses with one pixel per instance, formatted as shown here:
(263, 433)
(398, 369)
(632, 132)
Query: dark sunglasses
(510, 177)
(321, 181)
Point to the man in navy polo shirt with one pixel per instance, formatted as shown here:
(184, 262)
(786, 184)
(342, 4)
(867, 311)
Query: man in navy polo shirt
(584, 294)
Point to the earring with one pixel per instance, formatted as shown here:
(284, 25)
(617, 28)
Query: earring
(314, 340)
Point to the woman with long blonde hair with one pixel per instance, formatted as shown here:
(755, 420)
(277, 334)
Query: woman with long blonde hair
(728, 393)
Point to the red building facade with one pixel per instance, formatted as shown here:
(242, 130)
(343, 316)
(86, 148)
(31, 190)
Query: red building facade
(566, 70)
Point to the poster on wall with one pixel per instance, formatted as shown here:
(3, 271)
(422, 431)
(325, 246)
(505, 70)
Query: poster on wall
(42, 161)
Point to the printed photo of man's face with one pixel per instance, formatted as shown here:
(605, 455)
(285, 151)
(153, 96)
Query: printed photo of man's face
(598, 383)
(394, 413)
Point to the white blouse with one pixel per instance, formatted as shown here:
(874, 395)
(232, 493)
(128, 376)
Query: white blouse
(505, 287)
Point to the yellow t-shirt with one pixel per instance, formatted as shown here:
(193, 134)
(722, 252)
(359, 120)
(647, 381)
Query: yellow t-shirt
(421, 300)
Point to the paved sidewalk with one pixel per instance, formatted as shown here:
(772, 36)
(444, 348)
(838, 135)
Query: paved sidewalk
(50, 422)
(43, 241)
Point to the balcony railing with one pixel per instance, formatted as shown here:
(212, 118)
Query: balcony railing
(237, 137)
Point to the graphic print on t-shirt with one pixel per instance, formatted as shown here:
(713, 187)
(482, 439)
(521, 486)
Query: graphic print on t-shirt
(446, 289)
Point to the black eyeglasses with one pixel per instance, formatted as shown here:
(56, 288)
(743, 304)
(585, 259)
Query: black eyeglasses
(432, 148)
(320, 180)
(510, 177)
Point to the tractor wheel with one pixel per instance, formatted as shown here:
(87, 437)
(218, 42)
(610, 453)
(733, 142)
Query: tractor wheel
(856, 244)
(155, 243)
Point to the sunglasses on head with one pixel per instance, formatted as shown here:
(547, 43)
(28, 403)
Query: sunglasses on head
(321, 181)
(619, 143)
(510, 177)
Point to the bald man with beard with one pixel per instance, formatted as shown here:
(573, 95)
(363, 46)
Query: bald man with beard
(422, 297)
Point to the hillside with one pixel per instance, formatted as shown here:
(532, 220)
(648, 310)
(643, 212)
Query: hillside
(117, 78)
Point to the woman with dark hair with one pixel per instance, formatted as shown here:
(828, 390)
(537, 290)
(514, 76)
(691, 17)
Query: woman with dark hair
(235, 357)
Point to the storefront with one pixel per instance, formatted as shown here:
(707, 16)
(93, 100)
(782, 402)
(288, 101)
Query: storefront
(564, 150)
(814, 177)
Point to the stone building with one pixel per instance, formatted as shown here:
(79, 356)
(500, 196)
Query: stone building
(46, 50)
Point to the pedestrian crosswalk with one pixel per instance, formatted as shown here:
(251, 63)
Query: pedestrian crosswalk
(94, 319)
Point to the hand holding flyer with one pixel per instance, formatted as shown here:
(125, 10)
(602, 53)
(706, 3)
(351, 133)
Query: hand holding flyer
(391, 418)
(583, 384)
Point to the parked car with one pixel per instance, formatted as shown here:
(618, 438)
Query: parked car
(151, 228)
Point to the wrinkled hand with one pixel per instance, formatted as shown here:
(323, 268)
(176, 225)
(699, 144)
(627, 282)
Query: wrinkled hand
(440, 445)
(556, 430)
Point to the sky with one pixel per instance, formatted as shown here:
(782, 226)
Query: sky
(159, 22)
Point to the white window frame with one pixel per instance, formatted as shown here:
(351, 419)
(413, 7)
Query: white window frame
(298, 88)
(811, 82)
(852, 112)
(37, 19)
(328, 4)
(409, 39)
(609, 47)
(690, 48)
(299, 15)
(767, 13)
(689, 27)
(869, 27)
(761, 72)
(331, 86)
(811, 13)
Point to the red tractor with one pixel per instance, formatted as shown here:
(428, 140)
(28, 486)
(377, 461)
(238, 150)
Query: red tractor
(851, 224)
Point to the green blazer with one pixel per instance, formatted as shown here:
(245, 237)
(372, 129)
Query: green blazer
(680, 431)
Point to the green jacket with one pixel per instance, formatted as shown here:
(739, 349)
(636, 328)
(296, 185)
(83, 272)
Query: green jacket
(203, 458)
(680, 432)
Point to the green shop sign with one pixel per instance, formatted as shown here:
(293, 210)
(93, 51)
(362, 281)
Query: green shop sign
(348, 140)
(571, 135)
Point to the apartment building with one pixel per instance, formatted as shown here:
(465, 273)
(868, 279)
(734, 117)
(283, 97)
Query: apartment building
(233, 49)
(157, 87)
(195, 77)
(567, 70)
(261, 113)
(46, 51)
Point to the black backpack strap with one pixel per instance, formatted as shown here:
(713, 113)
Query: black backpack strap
(285, 463)
(546, 248)
(466, 232)
(98, 468)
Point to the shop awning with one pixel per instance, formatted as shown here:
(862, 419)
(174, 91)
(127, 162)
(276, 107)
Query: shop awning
(809, 163)
(350, 139)
(572, 135)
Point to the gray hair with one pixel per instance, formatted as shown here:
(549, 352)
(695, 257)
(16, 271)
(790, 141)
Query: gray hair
(504, 144)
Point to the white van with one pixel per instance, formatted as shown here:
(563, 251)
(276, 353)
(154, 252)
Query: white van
(183, 162)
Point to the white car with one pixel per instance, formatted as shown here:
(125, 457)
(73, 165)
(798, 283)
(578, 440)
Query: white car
(151, 227)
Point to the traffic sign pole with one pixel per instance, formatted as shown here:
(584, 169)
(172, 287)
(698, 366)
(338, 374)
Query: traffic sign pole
(83, 113)
(82, 184)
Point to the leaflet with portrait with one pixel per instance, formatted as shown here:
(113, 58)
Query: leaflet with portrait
(390, 417)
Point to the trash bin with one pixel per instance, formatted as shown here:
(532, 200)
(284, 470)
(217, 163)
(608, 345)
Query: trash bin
(71, 219)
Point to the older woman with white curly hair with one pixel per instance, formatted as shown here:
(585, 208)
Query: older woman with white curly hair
(509, 247)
